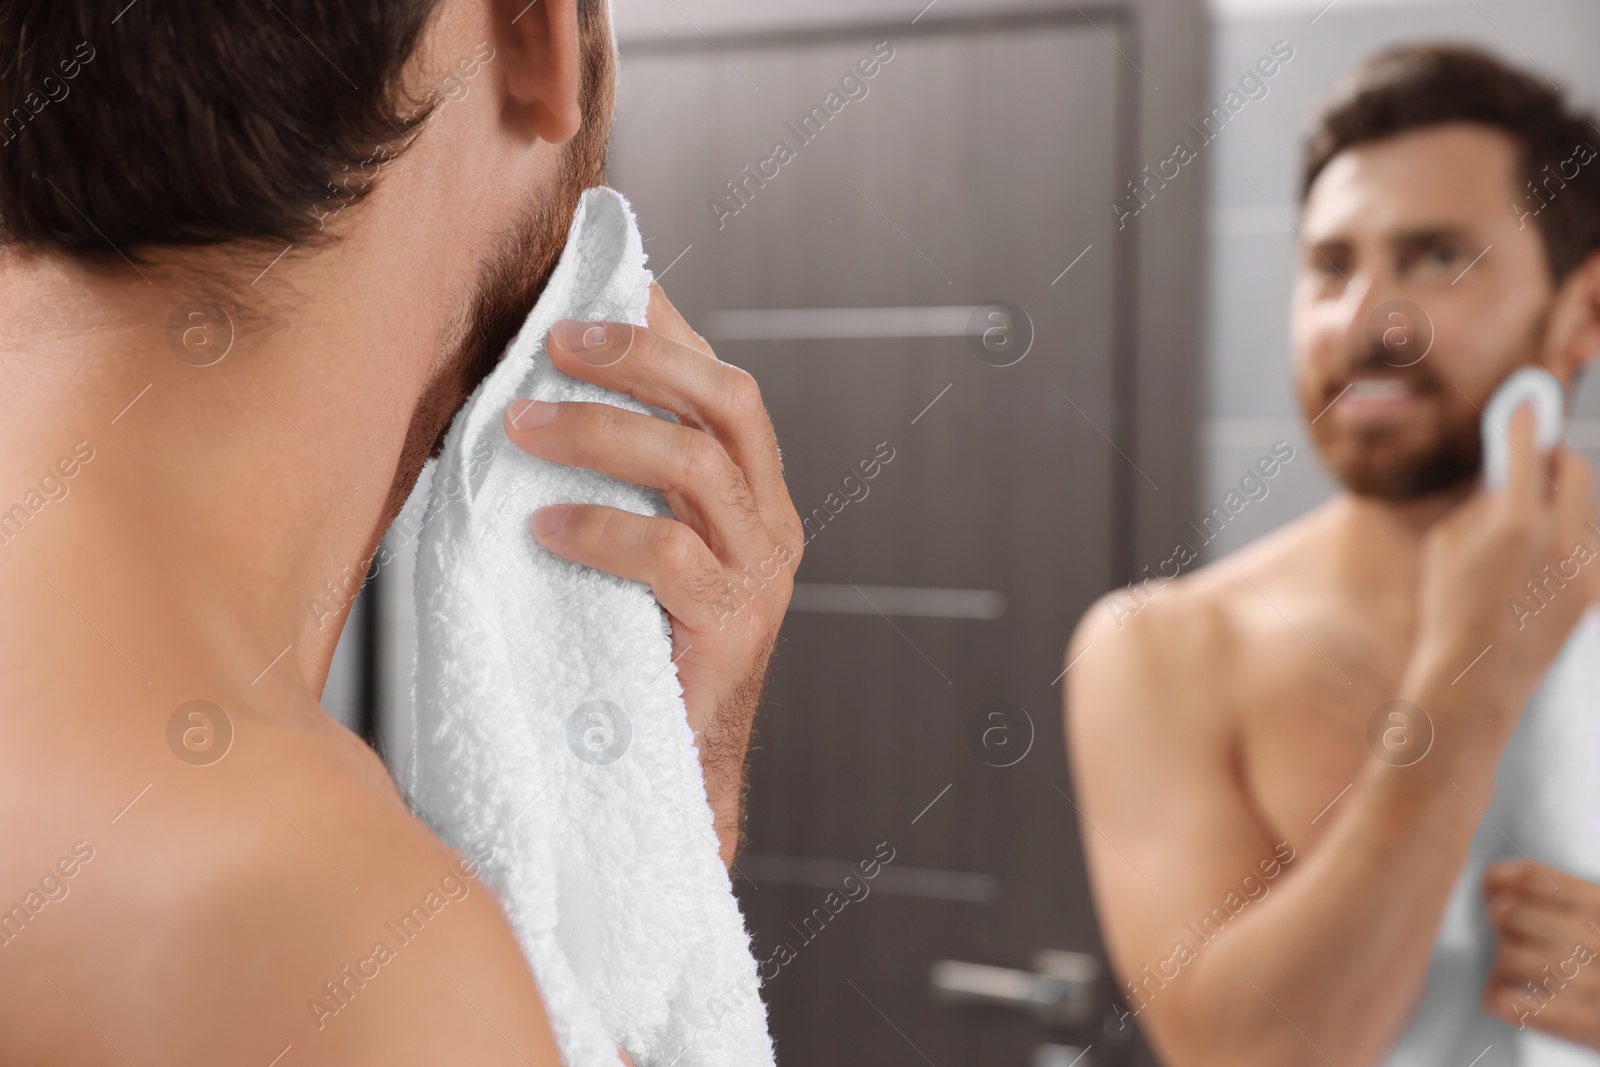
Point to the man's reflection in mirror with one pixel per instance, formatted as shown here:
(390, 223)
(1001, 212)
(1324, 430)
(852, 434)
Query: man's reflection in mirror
(1284, 758)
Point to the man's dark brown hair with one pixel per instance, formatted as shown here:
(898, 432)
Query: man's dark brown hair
(195, 122)
(1414, 86)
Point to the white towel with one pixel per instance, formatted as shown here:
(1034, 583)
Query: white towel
(1550, 777)
(1547, 807)
(551, 726)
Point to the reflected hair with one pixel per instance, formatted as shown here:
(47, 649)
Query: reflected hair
(1415, 86)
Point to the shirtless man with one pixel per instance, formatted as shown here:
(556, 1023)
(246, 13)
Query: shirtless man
(1218, 723)
(374, 194)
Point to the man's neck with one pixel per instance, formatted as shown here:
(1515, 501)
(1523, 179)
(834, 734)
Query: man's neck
(1377, 544)
(220, 501)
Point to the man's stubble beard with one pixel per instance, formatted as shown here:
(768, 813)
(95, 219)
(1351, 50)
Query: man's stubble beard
(1450, 462)
(1364, 467)
(516, 271)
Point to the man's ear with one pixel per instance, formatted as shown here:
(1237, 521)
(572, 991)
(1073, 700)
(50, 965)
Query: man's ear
(1573, 341)
(538, 43)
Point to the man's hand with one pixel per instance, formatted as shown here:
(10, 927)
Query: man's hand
(1478, 561)
(1546, 972)
(723, 567)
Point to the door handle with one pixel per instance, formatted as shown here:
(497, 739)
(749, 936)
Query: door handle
(1059, 991)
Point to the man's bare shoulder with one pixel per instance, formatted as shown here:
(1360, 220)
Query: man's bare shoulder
(280, 896)
(1175, 642)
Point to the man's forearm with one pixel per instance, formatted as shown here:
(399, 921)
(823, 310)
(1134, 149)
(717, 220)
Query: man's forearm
(1338, 955)
(725, 791)
(725, 758)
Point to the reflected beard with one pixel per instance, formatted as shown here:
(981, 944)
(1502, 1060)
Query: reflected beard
(1366, 464)
(1365, 468)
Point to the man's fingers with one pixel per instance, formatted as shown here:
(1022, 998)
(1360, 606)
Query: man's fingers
(1538, 880)
(1534, 925)
(1555, 1001)
(1527, 483)
(701, 483)
(1497, 875)
(1518, 961)
(703, 392)
(1516, 1003)
(663, 553)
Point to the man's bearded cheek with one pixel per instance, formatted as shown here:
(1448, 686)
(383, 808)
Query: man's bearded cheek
(1400, 466)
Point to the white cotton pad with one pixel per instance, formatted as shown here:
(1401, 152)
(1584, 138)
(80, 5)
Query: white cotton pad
(1533, 384)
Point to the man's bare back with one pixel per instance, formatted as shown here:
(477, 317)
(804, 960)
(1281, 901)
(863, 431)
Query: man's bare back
(273, 893)
(201, 866)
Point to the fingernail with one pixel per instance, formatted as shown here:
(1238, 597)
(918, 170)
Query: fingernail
(526, 414)
(577, 336)
(549, 520)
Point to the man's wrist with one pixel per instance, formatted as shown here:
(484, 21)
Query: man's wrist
(1464, 727)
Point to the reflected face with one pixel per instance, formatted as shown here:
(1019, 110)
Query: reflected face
(1417, 294)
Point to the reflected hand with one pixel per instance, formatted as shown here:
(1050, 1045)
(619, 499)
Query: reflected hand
(1546, 973)
(1477, 563)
